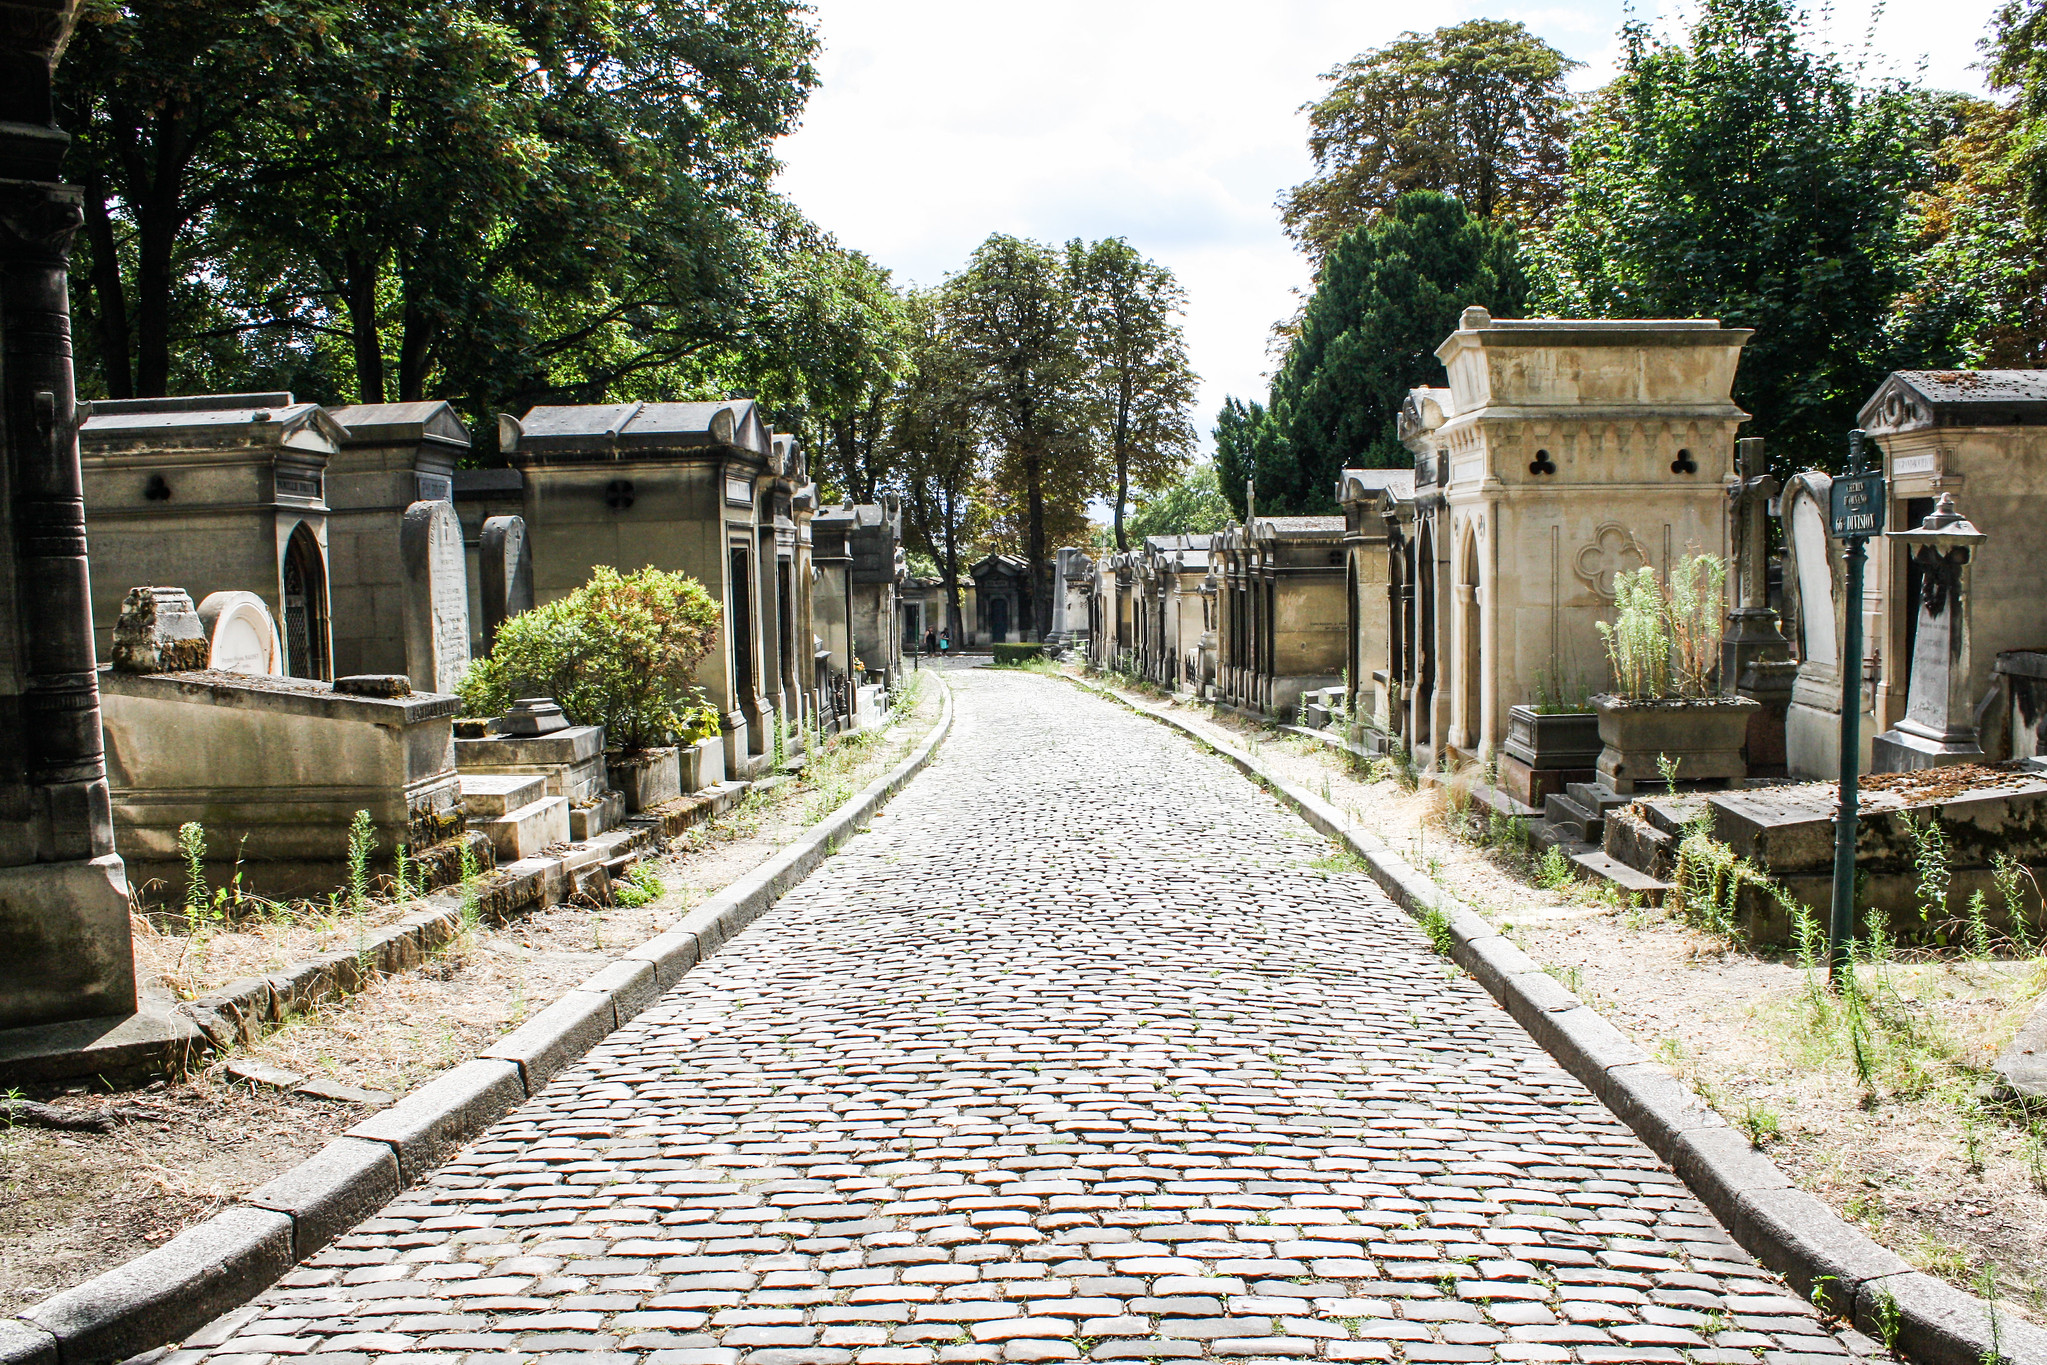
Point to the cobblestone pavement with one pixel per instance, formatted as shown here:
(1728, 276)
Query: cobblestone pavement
(1087, 1048)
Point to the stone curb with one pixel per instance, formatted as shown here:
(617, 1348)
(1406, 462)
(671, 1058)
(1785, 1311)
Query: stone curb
(1840, 1269)
(167, 1294)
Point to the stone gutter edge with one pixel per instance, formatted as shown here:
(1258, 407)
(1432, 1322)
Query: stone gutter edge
(1836, 1266)
(188, 1288)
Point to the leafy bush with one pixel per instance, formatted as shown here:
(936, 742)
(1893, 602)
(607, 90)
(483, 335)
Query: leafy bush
(1018, 653)
(621, 651)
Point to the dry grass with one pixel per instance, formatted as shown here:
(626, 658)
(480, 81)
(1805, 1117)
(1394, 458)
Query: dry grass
(1902, 1142)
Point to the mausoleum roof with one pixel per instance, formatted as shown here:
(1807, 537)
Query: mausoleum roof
(1296, 527)
(369, 423)
(213, 420)
(1909, 400)
(1365, 485)
(624, 430)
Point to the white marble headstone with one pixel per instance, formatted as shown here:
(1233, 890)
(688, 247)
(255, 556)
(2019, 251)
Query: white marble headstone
(1815, 580)
(241, 635)
(436, 596)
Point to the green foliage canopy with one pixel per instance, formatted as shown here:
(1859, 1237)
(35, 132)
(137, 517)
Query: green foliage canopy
(1193, 504)
(1741, 173)
(1477, 110)
(1389, 293)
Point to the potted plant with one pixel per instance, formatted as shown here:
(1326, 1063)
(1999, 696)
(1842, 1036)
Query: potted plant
(621, 652)
(697, 729)
(1550, 741)
(1664, 713)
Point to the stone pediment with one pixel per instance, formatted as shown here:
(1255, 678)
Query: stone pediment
(260, 423)
(368, 423)
(1913, 400)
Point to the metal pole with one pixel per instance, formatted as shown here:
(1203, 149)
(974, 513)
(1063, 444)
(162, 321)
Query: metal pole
(1841, 929)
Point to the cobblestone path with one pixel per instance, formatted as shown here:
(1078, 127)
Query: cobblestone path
(1088, 1048)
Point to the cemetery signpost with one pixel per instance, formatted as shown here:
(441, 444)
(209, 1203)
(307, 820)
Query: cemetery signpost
(1855, 513)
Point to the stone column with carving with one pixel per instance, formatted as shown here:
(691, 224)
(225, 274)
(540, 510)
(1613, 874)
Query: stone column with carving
(65, 950)
(1939, 726)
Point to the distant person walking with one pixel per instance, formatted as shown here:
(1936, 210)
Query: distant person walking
(931, 641)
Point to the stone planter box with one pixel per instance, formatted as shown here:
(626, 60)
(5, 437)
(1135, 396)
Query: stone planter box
(1704, 737)
(703, 764)
(647, 778)
(1545, 752)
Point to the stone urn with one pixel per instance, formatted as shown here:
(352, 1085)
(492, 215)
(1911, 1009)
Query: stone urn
(646, 778)
(1704, 736)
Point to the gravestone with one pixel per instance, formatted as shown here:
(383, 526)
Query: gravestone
(505, 572)
(436, 596)
(241, 635)
(159, 632)
(1939, 725)
(1814, 579)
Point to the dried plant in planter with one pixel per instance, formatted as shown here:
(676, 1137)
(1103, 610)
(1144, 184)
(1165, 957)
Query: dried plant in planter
(1664, 641)
(1697, 615)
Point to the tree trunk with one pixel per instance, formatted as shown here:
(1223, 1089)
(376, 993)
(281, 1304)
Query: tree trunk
(110, 306)
(1034, 487)
(155, 239)
(360, 289)
(1122, 494)
(415, 354)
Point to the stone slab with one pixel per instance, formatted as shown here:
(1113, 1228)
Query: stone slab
(488, 794)
(435, 1120)
(331, 1191)
(2022, 1067)
(155, 1040)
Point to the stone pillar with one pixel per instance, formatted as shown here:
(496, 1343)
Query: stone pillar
(65, 952)
(1755, 658)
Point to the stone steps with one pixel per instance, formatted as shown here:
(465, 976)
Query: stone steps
(1599, 866)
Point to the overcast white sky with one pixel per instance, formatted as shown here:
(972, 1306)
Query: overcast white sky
(1173, 123)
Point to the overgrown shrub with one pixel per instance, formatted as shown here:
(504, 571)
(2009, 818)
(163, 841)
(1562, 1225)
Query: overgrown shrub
(621, 651)
(1018, 653)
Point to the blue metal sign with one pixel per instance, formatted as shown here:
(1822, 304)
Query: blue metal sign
(1857, 506)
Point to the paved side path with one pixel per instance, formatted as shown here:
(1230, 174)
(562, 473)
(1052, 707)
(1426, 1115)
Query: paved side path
(1086, 1049)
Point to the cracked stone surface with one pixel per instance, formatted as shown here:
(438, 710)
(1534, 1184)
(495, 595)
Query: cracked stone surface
(1088, 1048)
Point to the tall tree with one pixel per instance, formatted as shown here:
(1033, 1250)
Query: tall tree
(1191, 505)
(840, 343)
(1389, 294)
(937, 452)
(1142, 387)
(1982, 295)
(1238, 428)
(2018, 62)
(1741, 173)
(168, 103)
(1011, 315)
(1477, 110)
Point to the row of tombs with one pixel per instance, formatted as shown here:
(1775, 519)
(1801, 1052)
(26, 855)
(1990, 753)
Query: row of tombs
(1450, 617)
(286, 597)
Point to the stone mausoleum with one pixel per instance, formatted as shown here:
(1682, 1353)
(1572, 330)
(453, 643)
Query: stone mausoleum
(219, 492)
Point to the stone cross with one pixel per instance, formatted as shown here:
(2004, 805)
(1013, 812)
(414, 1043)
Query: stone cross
(436, 596)
(504, 573)
(1939, 726)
